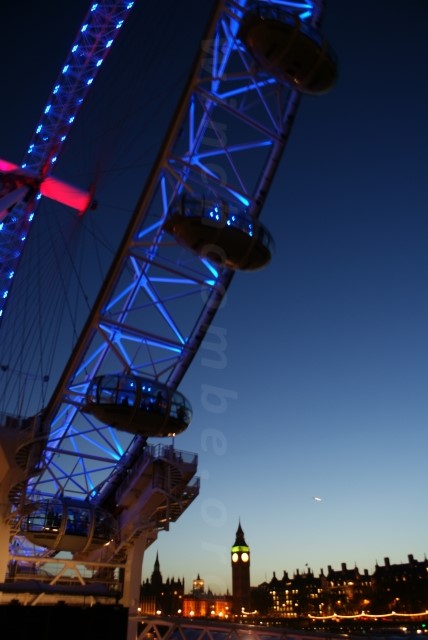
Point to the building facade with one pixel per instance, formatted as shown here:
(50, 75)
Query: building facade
(392, 588)
(159, 597)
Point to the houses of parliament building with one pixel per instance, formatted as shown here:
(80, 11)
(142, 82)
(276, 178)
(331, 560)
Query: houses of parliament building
(391, 588)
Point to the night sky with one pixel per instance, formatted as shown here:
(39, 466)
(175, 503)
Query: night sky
(326, 365)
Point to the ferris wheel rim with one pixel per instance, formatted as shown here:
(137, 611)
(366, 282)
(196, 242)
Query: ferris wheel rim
(108, 318)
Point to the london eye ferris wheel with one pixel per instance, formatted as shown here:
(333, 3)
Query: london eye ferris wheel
(79, 410)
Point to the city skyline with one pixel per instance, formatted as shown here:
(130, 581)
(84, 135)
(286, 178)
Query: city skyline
(319, 362)
(395, 591)
(278, 573)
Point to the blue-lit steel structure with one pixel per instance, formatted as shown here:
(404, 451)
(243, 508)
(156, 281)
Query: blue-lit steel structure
(232, 111)
(161, 294)
(92, 44)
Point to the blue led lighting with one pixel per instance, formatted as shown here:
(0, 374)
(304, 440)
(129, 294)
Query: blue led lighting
(174, 280)
(83, 29)
(56, 88)
(11, 274)
(149, 229)
(106, 450)
(109, 43)
(74, 49)
(54, 159)
(306, 14)
(235, 92)
(241, 198)
(63, 138)
(117, 443)
(296, 5)
(70, 120)
(90, 81)
(129, 5)
(39, 128)
(94, 6)
(65, 68)
(48, 108)
(213, 270)
(31, 216)
(1, 226)
(119, 24)
(4, 295)
(99, 63)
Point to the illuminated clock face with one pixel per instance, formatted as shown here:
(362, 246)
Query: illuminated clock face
(235, 557)
(244, 557)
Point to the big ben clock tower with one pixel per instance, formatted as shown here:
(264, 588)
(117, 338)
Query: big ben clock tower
(240, 557)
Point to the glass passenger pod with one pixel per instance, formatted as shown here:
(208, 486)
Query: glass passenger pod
(138, 405)
(69, 524)
(288, 49)
(223, 233)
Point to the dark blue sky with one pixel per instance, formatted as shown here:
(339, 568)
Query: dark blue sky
(327, 351)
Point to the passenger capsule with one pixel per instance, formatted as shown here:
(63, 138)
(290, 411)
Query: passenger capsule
(224, 234)
(138, 405)
(69, 524)
(289, 49)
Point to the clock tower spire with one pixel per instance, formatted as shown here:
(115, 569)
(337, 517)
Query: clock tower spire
(240, 557)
